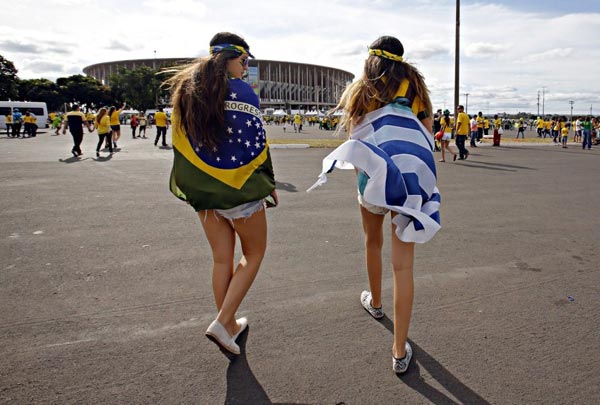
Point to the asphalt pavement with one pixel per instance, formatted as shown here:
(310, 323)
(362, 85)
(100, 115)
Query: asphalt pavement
(105, 284)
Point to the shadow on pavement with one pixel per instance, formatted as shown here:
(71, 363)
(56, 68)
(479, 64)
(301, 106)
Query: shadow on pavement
(72, 159)
(242, 385)
(286, 187)
(103, 158)
(496, 166)
(414, 380)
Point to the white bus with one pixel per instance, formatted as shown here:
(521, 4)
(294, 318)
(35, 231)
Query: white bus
(38, 108)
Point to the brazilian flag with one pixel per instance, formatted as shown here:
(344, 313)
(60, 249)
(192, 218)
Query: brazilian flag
(238, 170)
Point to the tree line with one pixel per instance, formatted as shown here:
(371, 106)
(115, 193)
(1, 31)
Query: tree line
(140, 88)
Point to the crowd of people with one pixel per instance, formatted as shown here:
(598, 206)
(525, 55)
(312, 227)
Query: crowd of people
(297, 121)
(17, 121)
(584, 130)
(106, 121)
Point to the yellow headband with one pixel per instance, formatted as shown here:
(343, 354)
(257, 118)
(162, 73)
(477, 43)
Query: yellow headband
(385, 54)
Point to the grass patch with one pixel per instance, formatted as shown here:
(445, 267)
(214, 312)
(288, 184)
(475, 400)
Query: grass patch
(313, 143)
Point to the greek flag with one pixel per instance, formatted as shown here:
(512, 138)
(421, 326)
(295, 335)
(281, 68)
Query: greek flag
(392, 152)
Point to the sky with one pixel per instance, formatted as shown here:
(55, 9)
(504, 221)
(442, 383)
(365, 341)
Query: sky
(511, 50)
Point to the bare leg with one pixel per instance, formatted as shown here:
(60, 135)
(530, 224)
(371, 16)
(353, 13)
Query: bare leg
(447, 146)
(221, 237)
(252, 232)
(373, 229)
(402, 265)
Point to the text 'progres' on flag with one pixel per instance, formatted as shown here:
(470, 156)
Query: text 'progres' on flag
(242, 107)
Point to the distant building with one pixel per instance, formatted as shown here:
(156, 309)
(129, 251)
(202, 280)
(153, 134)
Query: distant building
(286, 85)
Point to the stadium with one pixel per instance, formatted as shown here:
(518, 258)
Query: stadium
(280, 85)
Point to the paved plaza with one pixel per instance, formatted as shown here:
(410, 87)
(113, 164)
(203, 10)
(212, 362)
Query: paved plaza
(105, 284)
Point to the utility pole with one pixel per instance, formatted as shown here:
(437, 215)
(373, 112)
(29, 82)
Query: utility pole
(456, 60)
(543, 100)
(156, 90)
(538, 104)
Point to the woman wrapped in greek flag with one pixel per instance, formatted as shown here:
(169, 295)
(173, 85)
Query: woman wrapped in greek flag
(387, 115)
(222, 168)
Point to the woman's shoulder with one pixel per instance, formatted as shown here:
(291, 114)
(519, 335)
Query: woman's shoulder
(240, 90)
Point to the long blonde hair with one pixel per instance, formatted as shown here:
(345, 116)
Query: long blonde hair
(379, 83)
(101, 113)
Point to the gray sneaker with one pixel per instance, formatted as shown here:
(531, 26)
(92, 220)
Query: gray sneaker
(365, 300)
(401, 365)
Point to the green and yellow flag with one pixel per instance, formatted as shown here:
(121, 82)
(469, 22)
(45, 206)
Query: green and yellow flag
(238, 170)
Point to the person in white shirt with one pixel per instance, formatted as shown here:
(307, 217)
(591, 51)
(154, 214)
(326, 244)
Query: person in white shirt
(578, 130)
(473, 124)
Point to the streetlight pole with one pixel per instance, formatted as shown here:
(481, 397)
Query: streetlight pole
(571, 102)
(467, 103)
(538, 104)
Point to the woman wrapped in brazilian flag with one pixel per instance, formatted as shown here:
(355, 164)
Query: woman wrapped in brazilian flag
(222, 168)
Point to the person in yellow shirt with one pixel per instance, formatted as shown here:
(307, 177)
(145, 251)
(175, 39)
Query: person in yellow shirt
(486, 125)
(547, 128)
(565, 136)
(27, 129)
(33, 126)
(297, 123)
(162, 124)
(75, 121)
(497, 130)
(462, 131)
(520, 128)
(539, 123)
(9, 124)
(90, 117)
(102, 124)
(479, 120)
(115, 124)
(446, 125)
(556, 131)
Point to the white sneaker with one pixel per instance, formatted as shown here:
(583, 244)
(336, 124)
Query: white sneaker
(401, 365)
(218, 334)
(366, 301)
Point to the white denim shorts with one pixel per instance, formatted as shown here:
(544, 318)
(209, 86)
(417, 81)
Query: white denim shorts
(373, 209)
(242, 211)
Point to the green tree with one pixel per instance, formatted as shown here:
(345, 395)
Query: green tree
(8, 80)
(84, 90)
(139, 87)
(41, 90)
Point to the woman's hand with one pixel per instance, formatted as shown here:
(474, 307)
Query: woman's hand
(275, 198)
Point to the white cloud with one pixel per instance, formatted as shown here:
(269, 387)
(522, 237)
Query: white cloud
(484, 49)
(550, 54)
(507, 55)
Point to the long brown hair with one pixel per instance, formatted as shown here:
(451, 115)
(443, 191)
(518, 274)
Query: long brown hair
(379, 83)
(199, 89)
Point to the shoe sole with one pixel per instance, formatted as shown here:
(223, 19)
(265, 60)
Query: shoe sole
(216, 341)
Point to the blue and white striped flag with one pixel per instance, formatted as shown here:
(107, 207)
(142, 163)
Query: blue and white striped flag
(394, 150)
